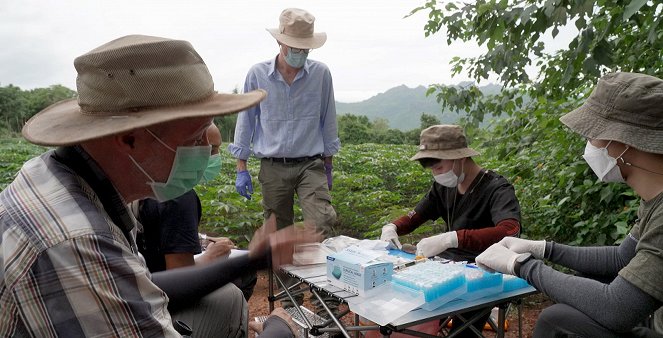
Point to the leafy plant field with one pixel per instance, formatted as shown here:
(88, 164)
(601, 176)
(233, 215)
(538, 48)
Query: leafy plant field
(374, 184)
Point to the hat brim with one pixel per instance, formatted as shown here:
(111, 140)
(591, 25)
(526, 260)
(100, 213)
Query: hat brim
(589, 121)
(64, 123)
(452, 154)
(316, 41)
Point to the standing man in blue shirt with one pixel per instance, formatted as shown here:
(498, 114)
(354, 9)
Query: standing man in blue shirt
(293, 131)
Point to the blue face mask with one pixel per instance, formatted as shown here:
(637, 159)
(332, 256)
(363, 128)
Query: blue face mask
(188, 168)
(295, 60)
(213, 168)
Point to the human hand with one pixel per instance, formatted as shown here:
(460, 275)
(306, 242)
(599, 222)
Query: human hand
(278, 312)
(281, 243)
(218, 247)
(518, 245)
(431, 246)
(328, 172)
(243, 184)
(389, 235)
(499, 258)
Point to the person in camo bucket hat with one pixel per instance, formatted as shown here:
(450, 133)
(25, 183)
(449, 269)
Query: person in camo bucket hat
(622, 121)
(478, 206)
(445, 142)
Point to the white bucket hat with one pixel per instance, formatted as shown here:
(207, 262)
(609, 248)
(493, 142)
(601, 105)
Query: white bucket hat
(296, 29)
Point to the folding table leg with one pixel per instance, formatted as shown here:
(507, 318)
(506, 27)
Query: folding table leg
(270, 273)
(331, 314)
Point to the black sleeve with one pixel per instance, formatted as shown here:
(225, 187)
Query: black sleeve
(276, 327)
(618, 306)
(184, 286)
(503, 202)
(179, 219)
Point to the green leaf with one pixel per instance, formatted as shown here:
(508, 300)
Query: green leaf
(581, 23)
(526, 14)
(653, 33)
(483, 8)
(632, 8)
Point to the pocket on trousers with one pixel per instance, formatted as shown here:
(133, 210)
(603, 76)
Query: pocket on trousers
(323, 195)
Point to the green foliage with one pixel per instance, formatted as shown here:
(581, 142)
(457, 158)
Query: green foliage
(17, 106)
(428, 120)
(225, 212)
(560, 197)
(13, 153)
(611, 36)
(374, 184)
(354, 129)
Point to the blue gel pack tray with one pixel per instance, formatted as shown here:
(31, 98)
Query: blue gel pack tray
(481, 283)
(402, 254)
(440, 283)
(511, 282)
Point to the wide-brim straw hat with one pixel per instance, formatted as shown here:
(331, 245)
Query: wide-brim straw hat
(133, 82)
(296, 29)
(444, 142)
(624, 107)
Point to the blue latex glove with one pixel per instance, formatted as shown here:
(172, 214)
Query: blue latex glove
(243, 184)
(328, 172)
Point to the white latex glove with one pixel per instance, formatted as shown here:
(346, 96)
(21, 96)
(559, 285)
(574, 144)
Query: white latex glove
(431, 246)
(389, 235)
(518, 245)
(499, 258)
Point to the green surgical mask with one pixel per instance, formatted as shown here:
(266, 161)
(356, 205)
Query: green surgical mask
(188, 168)
(213, 168)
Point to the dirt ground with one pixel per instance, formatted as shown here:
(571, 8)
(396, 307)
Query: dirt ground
(532, 306)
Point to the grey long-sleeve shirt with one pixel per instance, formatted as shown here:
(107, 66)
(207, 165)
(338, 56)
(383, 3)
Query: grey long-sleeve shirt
(617, 305)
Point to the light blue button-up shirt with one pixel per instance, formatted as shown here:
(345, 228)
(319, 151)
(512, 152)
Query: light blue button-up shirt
(294, 120)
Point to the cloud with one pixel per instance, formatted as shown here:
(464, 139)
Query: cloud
(370, 48)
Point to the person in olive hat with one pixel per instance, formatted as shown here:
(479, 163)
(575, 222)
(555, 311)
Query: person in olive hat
(478, 206)
(69, 265)
(622, 121)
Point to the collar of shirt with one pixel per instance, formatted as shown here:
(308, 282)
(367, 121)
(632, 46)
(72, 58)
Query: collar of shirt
(76, 158)
(273, 71)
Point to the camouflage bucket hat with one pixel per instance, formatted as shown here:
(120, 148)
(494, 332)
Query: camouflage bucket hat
(445, 142)
(624, 107)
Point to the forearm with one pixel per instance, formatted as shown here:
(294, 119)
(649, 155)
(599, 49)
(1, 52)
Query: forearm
(406, 224)
(241, 165)
(480, 239)
(187, 285)
(617, 306)
(598, 261)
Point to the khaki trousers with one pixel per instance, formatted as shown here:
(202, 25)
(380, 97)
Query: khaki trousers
(222, 313)
(281, 181)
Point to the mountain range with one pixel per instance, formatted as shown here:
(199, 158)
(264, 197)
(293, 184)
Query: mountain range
(402, 106)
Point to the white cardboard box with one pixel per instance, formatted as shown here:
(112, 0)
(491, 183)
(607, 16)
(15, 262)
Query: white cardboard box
(356, 270)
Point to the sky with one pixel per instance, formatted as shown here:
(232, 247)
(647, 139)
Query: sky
(370, 46)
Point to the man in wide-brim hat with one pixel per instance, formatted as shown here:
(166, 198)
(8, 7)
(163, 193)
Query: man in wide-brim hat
(293, 131)
(69, 262)
(622, 122)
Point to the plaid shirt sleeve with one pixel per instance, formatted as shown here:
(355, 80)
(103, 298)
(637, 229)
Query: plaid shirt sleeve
(67, 270)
